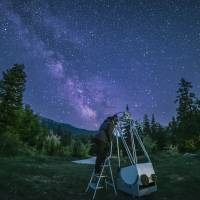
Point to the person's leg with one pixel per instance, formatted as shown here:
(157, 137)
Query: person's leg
(100, 155)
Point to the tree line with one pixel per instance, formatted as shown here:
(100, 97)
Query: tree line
(183, 131)
(21, 131)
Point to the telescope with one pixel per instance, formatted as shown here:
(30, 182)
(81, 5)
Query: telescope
(137, 178)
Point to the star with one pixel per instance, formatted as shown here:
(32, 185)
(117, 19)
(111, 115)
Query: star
(87, 60)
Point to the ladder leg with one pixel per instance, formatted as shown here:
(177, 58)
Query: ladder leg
(106, 164)
(105, 183)
(90, 181)
(97, 185)
(112, 178)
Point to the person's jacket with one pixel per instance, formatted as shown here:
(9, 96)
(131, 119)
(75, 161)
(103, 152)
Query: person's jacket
(105, 131)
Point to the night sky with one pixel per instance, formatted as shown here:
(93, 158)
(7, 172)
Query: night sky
(85, 60)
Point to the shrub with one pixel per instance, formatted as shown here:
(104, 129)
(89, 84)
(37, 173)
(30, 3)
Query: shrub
(173, 150)
(66, 151)
(86, 149)
(149, 144)
(79, 149)
(26, 150)
(52, 145)
(9, 144)
(190, 145)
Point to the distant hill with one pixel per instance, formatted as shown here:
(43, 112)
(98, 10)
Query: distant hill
(51, 124)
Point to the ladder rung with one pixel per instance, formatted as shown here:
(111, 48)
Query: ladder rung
(93, 186)
(109, 184)
(100, 176)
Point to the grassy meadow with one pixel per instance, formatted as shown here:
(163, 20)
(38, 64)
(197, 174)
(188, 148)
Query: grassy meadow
(56, 178)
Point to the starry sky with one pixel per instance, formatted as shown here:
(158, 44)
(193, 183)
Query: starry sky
(87, 59)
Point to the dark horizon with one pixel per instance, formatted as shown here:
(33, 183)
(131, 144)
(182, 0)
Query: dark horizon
(85, 60)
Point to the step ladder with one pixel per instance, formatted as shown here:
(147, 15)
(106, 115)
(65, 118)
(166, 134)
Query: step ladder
(104, 179)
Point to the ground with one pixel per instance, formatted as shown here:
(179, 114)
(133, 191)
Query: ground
(53, 178)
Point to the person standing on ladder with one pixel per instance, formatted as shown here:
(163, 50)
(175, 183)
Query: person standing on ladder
(103, 141)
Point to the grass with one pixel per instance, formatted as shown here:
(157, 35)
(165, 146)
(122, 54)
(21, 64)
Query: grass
(53, 178)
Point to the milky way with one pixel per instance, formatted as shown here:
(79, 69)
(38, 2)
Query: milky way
(85, 60)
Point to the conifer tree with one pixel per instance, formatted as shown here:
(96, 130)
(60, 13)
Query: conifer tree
(153, 127)
(187, 116)
(146, 126)
(172, 129)
(185, 99)
(12, 87)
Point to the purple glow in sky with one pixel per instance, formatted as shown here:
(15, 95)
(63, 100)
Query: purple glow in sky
(85, 60)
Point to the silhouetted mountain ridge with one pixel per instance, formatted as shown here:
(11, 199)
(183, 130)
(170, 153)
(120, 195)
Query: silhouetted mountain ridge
(54, 125)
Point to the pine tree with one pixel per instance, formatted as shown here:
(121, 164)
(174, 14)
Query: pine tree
(146, 126)
(12, 87)
(28, 126)
(172, 127)
(158, 134)
(153, 127)
(138, 127)
(185, 100)
(187, 116)
(160, 137)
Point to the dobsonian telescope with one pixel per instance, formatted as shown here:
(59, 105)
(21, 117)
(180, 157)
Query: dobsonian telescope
(137, 177)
